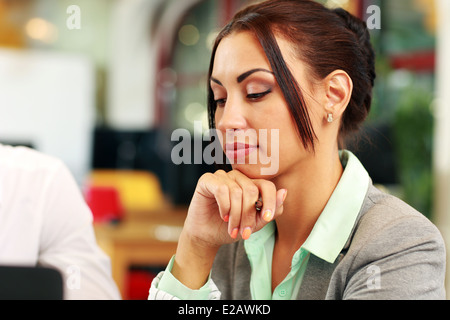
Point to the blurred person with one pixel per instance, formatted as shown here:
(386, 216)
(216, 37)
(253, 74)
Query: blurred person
(324, 231)
(44, 221)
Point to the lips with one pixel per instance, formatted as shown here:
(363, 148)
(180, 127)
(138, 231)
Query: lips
(239, 150)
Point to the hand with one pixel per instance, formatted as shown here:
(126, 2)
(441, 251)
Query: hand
(222, 209)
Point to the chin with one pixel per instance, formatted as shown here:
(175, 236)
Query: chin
(256, 171)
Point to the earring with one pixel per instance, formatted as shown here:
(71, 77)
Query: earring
(330, 118)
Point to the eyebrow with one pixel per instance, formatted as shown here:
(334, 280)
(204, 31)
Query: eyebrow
(244, 76)
(247, 74)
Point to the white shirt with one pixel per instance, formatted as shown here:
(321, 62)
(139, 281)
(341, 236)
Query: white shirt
(44, 221)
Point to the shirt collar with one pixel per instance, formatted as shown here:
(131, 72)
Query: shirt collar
(336, 222)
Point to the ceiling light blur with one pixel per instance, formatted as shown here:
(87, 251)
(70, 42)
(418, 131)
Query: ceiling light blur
(337, 3)
(41, 30)
(189, 35)
(194, 112)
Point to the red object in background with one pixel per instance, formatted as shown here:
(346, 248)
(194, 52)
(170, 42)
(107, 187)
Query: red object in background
(104, 203)
(138, 284)
(415, 61)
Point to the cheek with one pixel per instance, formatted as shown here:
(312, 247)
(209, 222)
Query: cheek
(278, 137)
(218, 115)
(290, 143)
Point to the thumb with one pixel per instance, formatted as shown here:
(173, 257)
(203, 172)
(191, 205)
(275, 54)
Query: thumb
(281, 197)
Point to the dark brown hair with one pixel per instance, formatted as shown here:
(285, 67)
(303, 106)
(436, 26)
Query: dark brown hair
(326, 40)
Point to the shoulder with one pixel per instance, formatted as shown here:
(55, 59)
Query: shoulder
(30, 174)
(402, 245)
(389, 220)
(26, 159)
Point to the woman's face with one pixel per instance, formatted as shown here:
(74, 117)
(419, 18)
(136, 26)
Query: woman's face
(252, 116)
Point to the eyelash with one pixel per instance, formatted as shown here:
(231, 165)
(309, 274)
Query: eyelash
(256, 96)
(253, 97)
(220, 102)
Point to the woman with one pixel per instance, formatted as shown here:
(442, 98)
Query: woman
(305, 73)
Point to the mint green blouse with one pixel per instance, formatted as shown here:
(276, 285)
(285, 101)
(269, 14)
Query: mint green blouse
(325, 241)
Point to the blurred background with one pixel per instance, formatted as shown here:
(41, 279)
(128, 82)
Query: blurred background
(102, 85)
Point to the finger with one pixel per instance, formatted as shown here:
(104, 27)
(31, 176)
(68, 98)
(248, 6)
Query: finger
(281, 197)
(222, 195)
(234, 195)
(235, 192)
(268, 194)
(213, 187)
(232, 199)
(223, 202)
(250, 192)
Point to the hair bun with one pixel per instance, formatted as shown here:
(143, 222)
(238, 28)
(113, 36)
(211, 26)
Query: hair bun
(359, 28)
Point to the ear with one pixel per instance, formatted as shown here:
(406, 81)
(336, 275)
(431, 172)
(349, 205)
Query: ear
(339, 88)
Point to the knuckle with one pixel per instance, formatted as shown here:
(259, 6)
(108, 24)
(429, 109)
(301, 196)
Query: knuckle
(206, 177)
(220, 172)
(253, 192)
(232, 173)
(222, 189)
(236, 191)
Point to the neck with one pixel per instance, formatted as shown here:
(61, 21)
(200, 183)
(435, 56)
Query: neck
(310, 185)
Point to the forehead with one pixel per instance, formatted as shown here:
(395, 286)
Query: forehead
(239, 52)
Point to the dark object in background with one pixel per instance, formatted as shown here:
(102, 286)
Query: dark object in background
(27, 144)
(30, 283)
(374, 147)
(148, 151)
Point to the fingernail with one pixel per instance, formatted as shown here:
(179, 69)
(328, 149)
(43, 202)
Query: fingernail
(226, 218)
(267, 216)
(234, 233)
(246, 233)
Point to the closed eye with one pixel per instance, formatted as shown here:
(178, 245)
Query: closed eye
(250, 96)
(257, 96)
(220, 102)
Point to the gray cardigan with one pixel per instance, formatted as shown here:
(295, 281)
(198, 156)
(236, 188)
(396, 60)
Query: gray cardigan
(393, 253)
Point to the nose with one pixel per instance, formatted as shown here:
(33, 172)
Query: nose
(231, 117)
